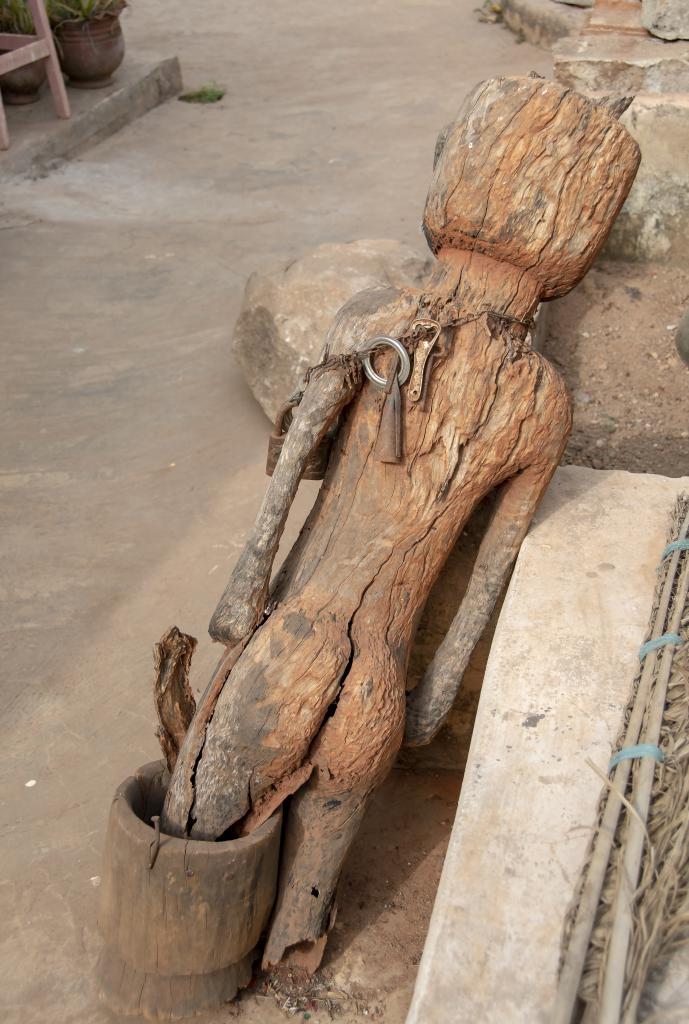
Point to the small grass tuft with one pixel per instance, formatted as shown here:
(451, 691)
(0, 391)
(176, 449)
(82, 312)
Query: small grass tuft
(206, 94)
(490, 11)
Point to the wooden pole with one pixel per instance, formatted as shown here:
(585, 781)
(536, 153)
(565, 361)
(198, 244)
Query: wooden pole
(612, 995)
(577, 946)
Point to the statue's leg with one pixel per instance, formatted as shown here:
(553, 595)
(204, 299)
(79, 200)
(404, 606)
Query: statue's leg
(267, 716)
(353, 753)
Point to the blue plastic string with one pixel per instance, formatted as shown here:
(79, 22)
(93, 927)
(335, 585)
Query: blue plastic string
(657, 642)
(640, 750)
(675, 545)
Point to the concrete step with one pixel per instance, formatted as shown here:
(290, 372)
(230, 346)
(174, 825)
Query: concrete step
(542, 22)
(558, 677)
(39, 140)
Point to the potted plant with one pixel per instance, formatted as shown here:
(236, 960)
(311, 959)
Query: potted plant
(89, 39)
(23, 85)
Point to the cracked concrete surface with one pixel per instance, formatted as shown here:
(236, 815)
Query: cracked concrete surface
(132, 451)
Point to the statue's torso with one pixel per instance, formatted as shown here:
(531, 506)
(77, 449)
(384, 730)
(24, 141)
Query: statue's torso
(386, 528)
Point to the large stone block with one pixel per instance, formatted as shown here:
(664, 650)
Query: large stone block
(654, 221)
(616, 16)
(286, 312)
(668, 19)
(621, 64)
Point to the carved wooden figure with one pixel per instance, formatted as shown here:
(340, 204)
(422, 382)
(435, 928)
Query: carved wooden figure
(309, 700)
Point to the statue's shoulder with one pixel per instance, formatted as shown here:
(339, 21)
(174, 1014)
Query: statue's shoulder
(374, 311)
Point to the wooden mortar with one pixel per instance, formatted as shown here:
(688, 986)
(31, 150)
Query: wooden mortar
(179, 936)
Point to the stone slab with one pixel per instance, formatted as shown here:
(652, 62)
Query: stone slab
(622, 64)
(618, 16)
(541, 22)
(39, 140)
(558, 676)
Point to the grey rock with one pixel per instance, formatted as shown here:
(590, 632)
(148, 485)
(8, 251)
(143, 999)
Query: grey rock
(286, 312)
(668, 19)
(654, 221)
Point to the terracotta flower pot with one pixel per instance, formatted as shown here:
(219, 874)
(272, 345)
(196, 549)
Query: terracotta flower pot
(90, 51)
(179, 935)
(23, 85)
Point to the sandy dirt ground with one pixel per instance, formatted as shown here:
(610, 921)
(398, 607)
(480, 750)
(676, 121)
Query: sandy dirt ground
(613, 338)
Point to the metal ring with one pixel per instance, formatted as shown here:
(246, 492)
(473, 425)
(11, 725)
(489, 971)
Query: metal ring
(405, 362)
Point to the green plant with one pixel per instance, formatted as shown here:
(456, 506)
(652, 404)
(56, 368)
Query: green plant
(206, 94)
(490, 11)
(15, 17)
(84, 10)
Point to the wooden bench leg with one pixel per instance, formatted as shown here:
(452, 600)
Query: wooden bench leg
(55, 79)
(4, 133)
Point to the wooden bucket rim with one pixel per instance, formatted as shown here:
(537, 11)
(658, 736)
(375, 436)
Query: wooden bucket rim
(130, 788)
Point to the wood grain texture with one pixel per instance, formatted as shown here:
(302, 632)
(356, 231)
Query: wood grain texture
(329, 388)
(533, 174)
(179, 936)
(172, 694)
(429, 704)
(526, 186)
(174, 818)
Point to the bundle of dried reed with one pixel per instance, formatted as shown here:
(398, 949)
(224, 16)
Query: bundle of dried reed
(632, 907)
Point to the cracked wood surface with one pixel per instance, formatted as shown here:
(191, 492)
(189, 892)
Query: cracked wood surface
(526, 186)
(172, 694)
(178, 937)
(330, 386)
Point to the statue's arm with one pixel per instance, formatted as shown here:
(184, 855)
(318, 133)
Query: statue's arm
(330, 387)
(429, 703)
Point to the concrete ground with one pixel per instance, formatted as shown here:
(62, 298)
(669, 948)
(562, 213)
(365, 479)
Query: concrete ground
(132, 451)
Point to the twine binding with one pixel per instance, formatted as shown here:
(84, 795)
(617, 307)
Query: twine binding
(638, 750)
(658, 902)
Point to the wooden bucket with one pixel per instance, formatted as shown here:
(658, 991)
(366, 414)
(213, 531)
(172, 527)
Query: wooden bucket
(179, 936)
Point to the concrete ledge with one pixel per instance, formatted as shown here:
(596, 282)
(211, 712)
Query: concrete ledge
(39, 140)
(557, 679)
(542, 22)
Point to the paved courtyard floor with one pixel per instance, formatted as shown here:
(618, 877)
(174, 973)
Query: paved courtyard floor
(131, 450)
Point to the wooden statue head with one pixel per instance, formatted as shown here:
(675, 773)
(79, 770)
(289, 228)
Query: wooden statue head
(532, 174)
